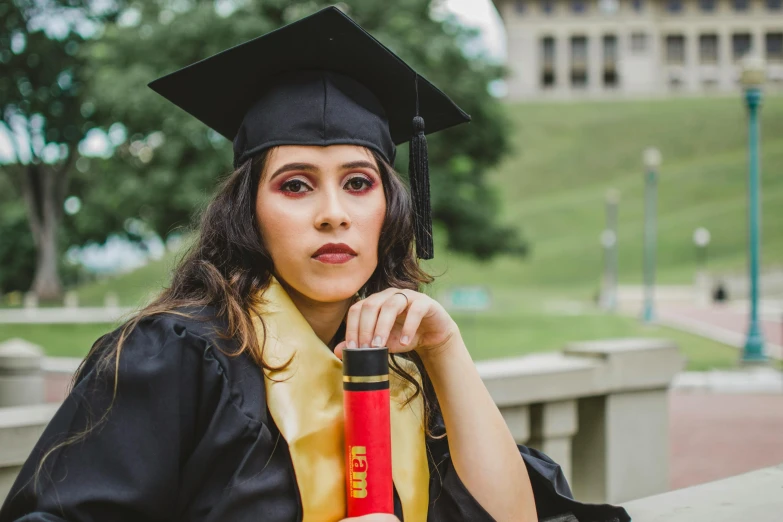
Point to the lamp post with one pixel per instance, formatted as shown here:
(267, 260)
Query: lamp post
(701, 238)
(609, 243)
(652, 161)
(753, 76)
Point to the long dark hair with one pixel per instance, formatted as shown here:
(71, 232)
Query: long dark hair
(227, 267)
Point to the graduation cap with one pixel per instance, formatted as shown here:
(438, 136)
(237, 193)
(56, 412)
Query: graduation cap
(321, 80)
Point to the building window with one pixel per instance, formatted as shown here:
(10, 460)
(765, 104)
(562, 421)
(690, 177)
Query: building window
(638, 43)
(674, 6)
(548, 54)
(774, 45)
(578, 6)
(547, 6)
(578, 61)
(708, 6)
(637, 5)
(710, 84)
(610, 60)
(740, 45)
(519, 6)
(708, 49)
(675, 49)
(740, 5)
(774, 5)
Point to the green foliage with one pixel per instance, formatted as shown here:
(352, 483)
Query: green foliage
(16, 248)
(45, 113)
(41, 75)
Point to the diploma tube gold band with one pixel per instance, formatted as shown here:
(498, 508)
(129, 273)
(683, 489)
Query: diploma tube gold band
(365, 378)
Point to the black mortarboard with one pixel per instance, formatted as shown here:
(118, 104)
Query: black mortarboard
(321, 80)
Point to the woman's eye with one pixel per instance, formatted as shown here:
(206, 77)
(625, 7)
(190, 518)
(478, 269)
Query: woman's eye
(358, 183)
(294, 184)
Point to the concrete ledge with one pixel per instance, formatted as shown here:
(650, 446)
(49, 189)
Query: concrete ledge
(20, 428)
(582, 370)
(64, 315)
(756, 496)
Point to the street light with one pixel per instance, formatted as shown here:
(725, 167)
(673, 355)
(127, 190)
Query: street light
(701, 238)
(652, 161)
(752, 78)
(609, 243)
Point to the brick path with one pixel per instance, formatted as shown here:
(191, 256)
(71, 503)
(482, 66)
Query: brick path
(726, 324)
(714, 436)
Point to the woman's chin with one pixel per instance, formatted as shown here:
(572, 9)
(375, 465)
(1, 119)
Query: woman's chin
(331, 286)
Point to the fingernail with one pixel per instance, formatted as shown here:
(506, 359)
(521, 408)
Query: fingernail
(404, 339)
(352, 345)
(377, 341)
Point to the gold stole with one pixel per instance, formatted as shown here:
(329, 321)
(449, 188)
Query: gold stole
(306, 403)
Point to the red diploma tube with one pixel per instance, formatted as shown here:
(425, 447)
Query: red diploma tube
(368, 470)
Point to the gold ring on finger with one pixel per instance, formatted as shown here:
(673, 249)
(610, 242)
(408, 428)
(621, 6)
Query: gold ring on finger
(405, 296)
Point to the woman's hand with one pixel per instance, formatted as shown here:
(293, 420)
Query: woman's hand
(375, 517)
(412, 321)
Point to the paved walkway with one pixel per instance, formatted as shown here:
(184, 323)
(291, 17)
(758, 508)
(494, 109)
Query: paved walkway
(725, 324)
(714, 436)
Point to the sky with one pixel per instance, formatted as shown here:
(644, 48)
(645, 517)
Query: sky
(482, 15)
(120, 255)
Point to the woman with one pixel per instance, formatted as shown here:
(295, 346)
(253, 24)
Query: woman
(221, 401)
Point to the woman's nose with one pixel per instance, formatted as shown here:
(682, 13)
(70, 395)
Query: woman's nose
(332, 209)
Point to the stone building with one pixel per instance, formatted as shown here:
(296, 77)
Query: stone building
(624, 48)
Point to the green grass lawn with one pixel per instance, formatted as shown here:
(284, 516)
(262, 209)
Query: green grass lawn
(496, 335)
(57, 340)
(490, 336)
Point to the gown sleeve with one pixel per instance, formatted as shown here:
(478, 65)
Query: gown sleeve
(128, 466)
(451, 501)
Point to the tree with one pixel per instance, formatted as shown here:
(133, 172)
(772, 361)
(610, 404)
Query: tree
(44, 115)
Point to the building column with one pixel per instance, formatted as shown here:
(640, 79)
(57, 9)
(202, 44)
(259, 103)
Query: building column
(656, 44)
(757, 45)
(595, 63)
(725, 60)
(562, 64)
(692, 66)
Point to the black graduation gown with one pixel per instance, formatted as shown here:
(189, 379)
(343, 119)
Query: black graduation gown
(189, 438)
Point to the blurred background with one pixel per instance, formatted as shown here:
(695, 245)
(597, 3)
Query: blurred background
(616, 197)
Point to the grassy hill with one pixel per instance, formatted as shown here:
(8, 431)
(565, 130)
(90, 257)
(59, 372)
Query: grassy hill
(568, 154)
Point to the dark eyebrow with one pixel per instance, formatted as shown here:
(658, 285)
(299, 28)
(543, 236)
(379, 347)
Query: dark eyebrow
(309, 167)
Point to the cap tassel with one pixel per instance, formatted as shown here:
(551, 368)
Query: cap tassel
(418, 173)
